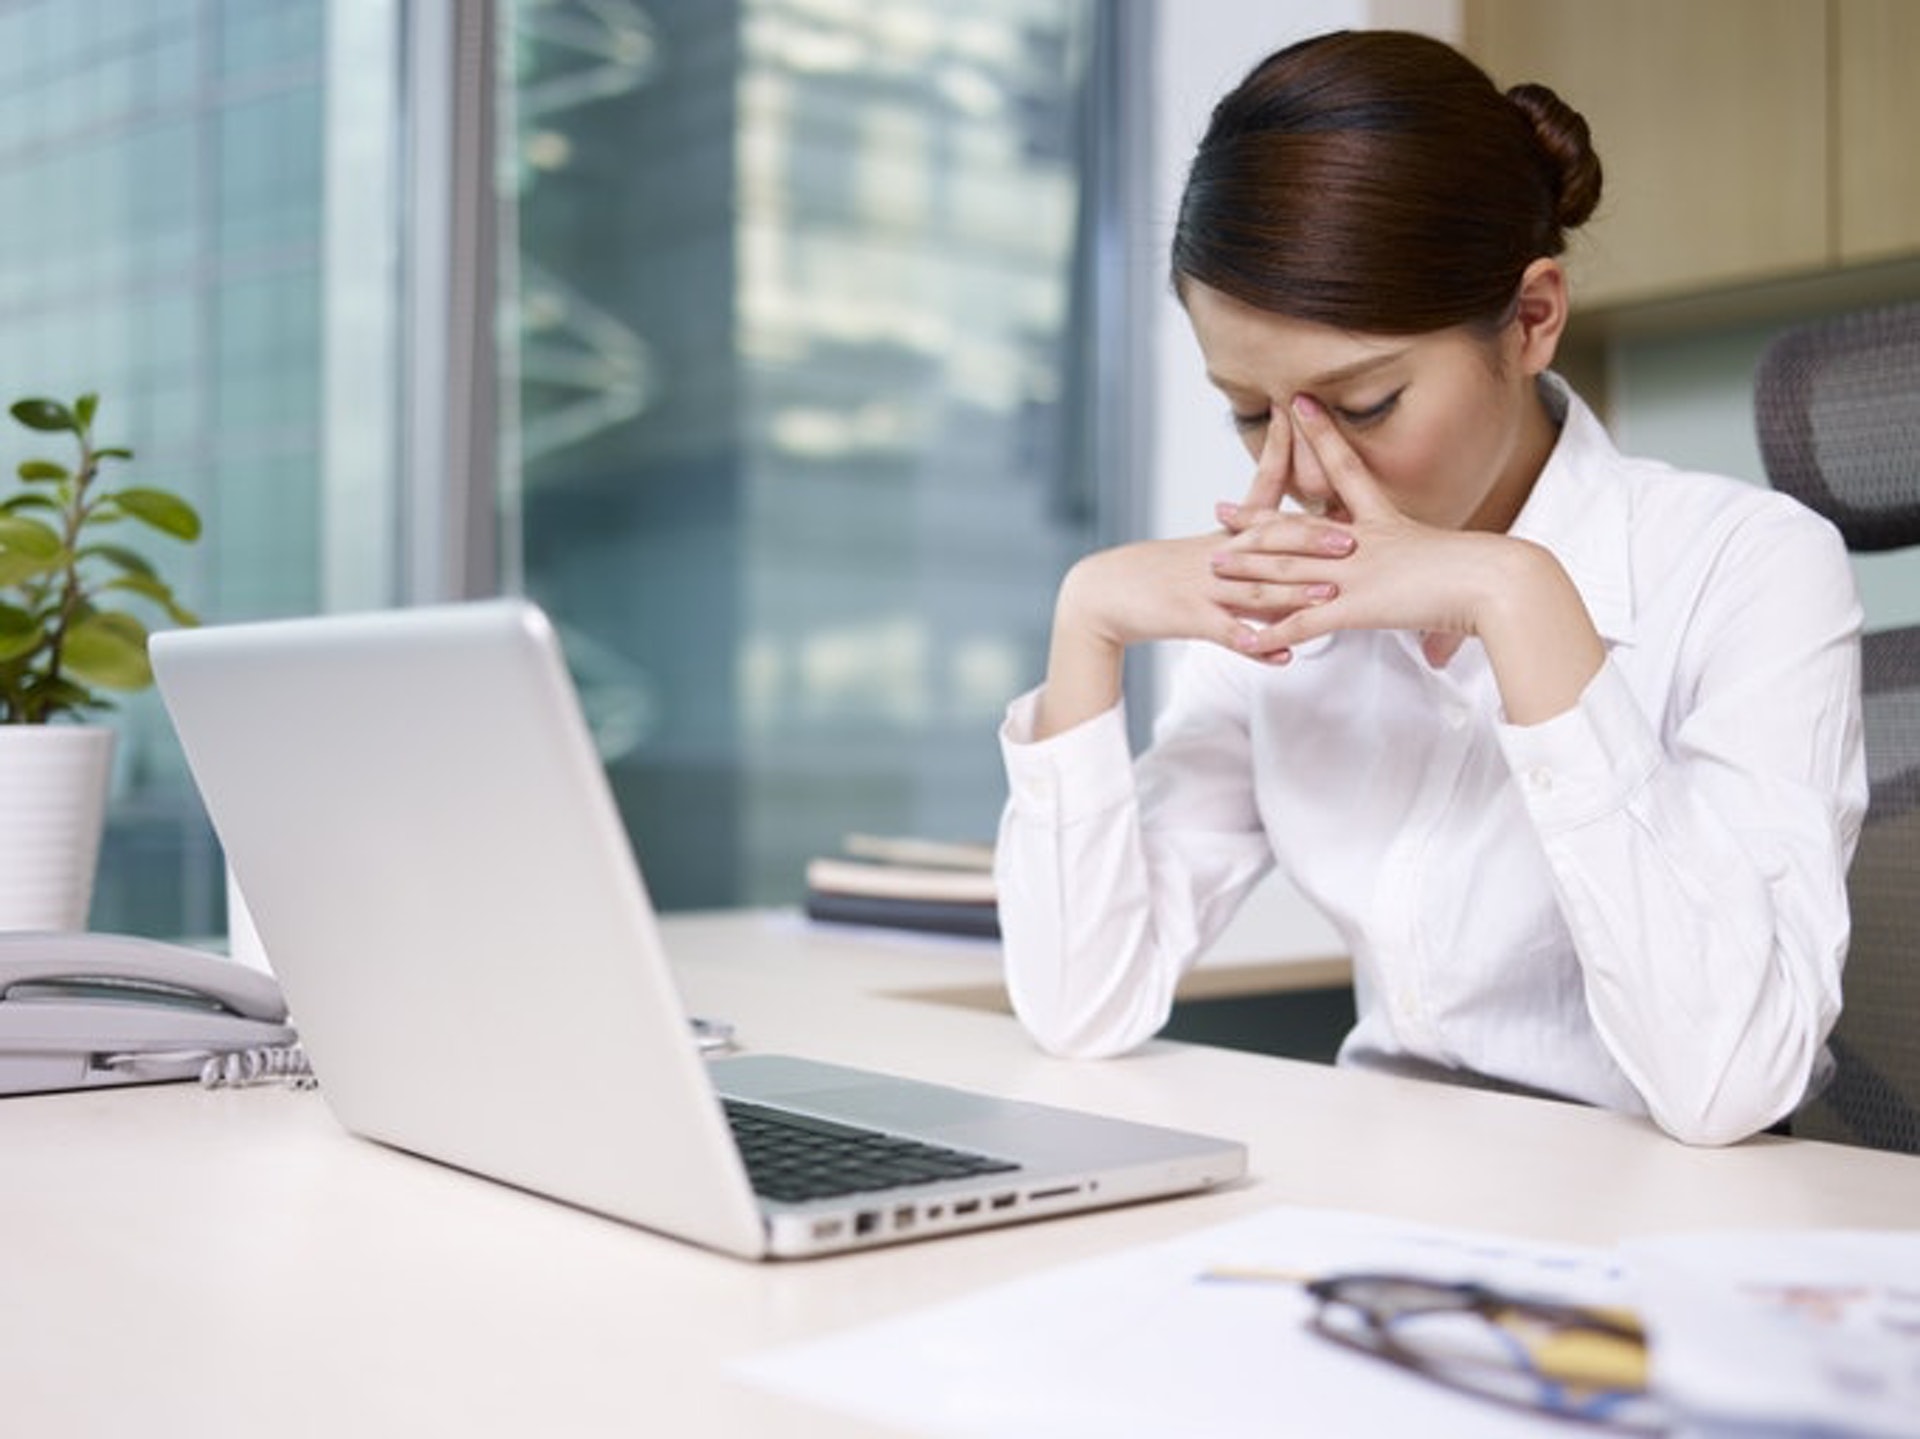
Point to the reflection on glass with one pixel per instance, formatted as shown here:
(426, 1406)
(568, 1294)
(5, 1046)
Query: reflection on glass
(797, 317)
(161, 166)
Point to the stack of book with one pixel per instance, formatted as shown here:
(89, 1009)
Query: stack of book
(933, 885)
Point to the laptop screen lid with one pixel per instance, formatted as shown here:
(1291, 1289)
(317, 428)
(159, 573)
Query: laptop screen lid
(429, 847)
(415, 811)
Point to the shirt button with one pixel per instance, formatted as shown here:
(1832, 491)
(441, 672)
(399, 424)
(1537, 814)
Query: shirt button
(1455, 716)
(1540, 780)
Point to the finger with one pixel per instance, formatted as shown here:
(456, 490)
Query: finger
(1252, 639)
(1254, 551)
(1269, 600)
(1236, 519)
(1343, 472)
(1288, 632)
(1440, 648)
(1272, 470)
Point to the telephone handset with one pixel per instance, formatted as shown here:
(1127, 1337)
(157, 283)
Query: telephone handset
(81, 1010)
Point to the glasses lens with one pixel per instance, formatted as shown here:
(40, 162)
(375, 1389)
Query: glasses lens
(1562, 1360)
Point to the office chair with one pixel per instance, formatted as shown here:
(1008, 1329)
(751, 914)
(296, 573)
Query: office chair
(1837, 407)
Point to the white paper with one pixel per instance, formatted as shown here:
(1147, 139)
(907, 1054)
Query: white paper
(1206, 1334)
(1797, 1331)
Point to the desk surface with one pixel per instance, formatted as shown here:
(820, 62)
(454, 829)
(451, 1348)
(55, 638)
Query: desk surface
(223, 1262)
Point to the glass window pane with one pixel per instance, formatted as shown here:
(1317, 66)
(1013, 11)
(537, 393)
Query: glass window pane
(798, 366)
(165, 164)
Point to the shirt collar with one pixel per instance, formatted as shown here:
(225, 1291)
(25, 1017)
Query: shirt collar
(1581, 514)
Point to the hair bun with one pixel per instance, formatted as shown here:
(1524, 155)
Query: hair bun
(1562, 134)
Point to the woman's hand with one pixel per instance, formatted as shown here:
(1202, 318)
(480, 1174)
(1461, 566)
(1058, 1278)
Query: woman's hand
(1398, 574)
(1158, 590)
(1391, 573)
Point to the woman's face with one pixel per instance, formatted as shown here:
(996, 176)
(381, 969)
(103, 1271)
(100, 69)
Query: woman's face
(1449, 423)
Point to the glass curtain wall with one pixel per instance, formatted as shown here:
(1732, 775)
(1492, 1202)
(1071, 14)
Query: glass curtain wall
(814, 307)
(180, 241)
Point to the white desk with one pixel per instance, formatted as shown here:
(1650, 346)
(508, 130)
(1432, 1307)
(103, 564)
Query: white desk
(180, 1261)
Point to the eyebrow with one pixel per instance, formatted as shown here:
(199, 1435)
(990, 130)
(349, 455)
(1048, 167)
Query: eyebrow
(1337, 376)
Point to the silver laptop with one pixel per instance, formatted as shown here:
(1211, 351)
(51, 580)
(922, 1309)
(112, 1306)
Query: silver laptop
(415, 811)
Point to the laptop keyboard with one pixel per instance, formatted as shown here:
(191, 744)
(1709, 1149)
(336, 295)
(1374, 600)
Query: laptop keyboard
(794, 1157)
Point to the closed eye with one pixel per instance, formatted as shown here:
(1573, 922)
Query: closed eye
(1372, 415)
(1246, 423)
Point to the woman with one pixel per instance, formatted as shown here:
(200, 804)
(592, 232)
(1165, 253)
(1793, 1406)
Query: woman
(1566, 745)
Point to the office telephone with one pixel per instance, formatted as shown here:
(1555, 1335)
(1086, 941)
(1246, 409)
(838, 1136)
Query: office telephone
(82, 1010)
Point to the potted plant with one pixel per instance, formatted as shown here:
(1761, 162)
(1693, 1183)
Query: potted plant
(64, 642)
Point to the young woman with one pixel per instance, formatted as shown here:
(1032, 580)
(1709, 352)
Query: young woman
(1566, 745)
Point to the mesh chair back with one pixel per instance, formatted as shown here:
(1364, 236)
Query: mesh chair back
(1837, 405)
(1838, 409)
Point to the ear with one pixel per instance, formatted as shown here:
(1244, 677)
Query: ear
(1540, 314)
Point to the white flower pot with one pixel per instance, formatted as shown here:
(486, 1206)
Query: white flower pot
(53, 806)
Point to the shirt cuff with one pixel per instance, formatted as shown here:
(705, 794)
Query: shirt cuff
(1069, 776)
(1585, 763)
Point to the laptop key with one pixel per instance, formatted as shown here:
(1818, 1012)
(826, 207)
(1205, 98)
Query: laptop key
(792, 1158)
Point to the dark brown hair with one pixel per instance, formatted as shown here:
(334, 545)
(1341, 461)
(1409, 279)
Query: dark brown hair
(1379, 182)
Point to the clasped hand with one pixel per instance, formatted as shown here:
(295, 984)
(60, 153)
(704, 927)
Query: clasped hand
(1276, 578)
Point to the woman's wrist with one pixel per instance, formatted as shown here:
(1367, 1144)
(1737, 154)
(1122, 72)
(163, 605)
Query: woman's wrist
(1085, 661)
(1537, 633)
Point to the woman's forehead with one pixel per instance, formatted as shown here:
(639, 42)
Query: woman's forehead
(1245, 346)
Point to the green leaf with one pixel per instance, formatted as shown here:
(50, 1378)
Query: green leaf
(17, 570)
(44, 470)
(37, 414)
(27, 549)
(165, 512)
(109, 649)
(29, 501)
(21, 633)
(151, 588)
(83, 409)
(130, 561)
(46, 698)
(29, 539)
(113, 452)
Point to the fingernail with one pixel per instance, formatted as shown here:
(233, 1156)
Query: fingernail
(1226, 511)
(1322, 592)
(1306, 407)
(1336, 542)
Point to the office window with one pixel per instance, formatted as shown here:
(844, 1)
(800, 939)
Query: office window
(805, 363)
(810, 333)
(163, 167)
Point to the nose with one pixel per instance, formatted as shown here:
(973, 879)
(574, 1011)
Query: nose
(1311, 487)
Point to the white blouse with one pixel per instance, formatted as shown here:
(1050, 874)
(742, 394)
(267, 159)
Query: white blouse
(1640, 903)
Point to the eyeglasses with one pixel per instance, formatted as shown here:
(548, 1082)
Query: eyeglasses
(1566, 1360)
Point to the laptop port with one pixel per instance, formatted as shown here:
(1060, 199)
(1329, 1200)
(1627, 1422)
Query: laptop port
(903, 1217)
(1060, 1193)
(1004, 1201)
(965, 1206)
(866, 1221)
(828, 1228)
